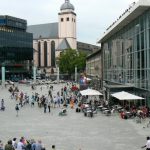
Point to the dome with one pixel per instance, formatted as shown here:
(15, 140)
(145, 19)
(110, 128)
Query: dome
(67, 5)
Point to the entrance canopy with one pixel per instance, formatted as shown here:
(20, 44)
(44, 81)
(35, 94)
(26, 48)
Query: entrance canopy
(126, 96)
(90, 92)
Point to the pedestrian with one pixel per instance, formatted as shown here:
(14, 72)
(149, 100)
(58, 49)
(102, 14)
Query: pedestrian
(14, 143)
(20, 145)
(2, 105)
(50, 93)
(49, 107)
(45, 107)
(41, 88)
(147, 145)
(17, 109)
(9, 145)
(38, 145)
(32, 102)
(53, 147)
(33, 144)
(1, 145)
(55, 101)
(28, 145)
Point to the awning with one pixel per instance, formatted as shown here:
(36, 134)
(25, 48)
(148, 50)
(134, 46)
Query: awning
(90, 92)
(126, 96)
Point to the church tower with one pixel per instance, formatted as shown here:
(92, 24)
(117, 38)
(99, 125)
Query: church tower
(67, 24)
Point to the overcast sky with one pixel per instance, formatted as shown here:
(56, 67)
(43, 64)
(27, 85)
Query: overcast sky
(93, 16)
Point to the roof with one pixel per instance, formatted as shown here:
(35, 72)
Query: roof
(48, 30)
(67, 5)
(129, 15)
(94, 54)
(64, 45)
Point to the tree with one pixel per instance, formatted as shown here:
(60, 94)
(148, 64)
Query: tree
(71, 58)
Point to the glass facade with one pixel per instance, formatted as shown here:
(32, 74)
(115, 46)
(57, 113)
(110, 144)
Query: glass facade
(126, 54)
(16, 48)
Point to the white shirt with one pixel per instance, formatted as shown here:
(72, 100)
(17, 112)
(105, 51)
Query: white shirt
(148, 144)
(14, 144)
(20, 146)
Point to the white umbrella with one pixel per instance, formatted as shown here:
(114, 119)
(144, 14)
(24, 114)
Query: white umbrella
(126, 96)
(88, 79)
(90, 92)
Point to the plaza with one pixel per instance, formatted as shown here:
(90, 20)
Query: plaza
(70, 132)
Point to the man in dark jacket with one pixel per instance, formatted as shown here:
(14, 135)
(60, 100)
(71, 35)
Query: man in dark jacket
(9, 146)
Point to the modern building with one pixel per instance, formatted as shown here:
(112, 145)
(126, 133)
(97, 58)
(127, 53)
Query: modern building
(16, 48)
(94, 69)
(126, 52)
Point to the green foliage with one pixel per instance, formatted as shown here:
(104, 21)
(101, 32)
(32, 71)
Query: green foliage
(71, 58)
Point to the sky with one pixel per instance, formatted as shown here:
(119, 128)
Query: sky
(93, 16)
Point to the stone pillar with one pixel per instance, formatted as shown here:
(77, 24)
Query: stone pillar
(3, 76)
(34, 73)
(57, 74)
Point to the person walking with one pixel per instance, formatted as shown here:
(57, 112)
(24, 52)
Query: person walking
(147, 145)
(9, 145)
(1, 145)
(38, 145)
(33, 144)
(45, 107)
(14, 143)
(2, 105)
(53, 147)
(50, 93)
(49, 107)
(17, 109)
(20, 145)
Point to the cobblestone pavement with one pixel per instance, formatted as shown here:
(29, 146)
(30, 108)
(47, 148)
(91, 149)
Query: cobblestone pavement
(69, 132)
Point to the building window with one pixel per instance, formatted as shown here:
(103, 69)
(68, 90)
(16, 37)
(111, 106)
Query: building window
(74, 20)
(67, 19)
(62, 19)
(53, 54)
(45, 54)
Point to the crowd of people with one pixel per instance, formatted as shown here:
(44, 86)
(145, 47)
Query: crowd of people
(68, 95)
(23, 144)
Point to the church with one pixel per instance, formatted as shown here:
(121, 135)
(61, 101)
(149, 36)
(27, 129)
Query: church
(50, 39)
